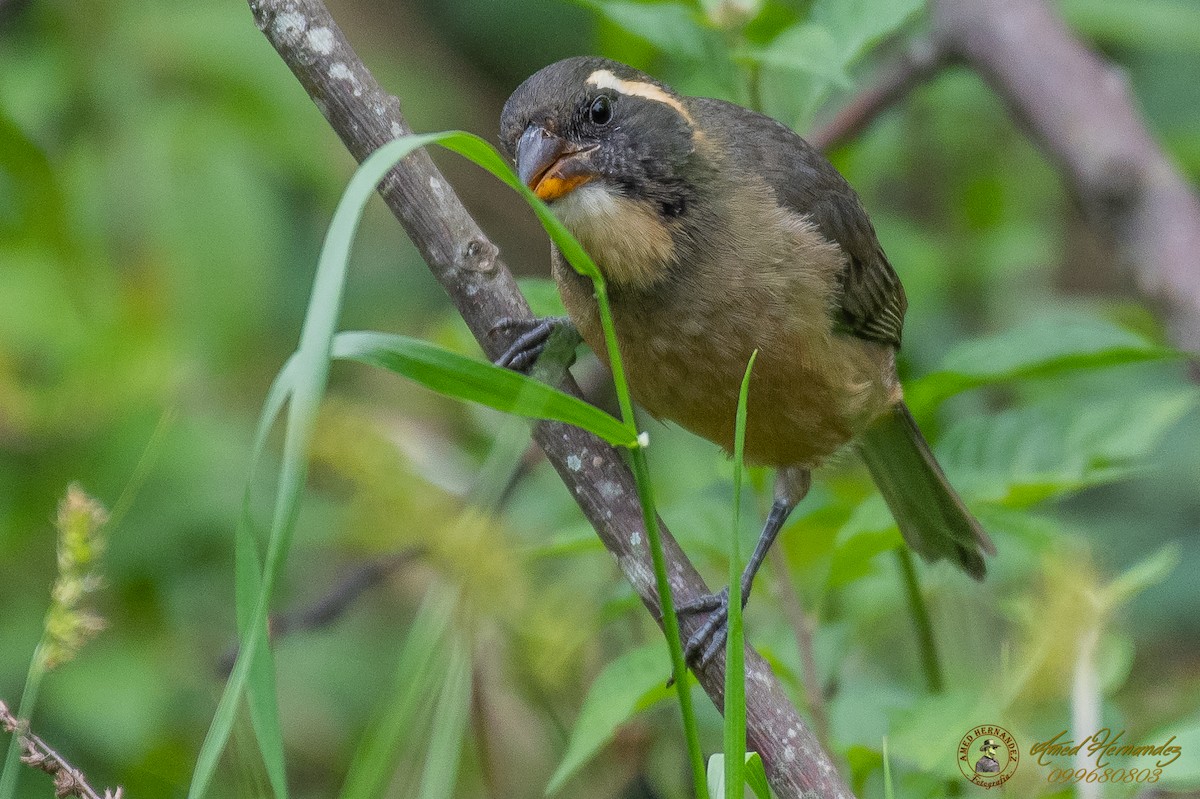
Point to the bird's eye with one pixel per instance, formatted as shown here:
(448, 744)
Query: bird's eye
(601, 111)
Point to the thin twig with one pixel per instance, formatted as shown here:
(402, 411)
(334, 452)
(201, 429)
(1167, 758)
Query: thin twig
(802, 629)
(919, 62)
(481, 722)
(330, 607)
(36, 753)
(469, 267)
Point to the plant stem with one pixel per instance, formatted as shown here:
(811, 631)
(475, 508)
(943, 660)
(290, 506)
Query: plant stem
(735, 666)
(641, 476)
(12, 760)
(754, 85)
(68, 780)
(930, 662)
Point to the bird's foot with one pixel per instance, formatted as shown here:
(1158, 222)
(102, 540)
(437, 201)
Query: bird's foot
(706, 641)
(530, 337)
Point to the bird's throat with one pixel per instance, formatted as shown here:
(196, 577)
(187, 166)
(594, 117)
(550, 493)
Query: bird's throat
(627, 239)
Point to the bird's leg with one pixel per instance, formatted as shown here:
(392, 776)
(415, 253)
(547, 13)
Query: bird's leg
(791, 485)
(530, 338)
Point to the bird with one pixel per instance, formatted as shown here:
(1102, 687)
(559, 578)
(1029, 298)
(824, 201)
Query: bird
(720, 231)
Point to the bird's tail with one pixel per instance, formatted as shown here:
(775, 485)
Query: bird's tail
(931, 516)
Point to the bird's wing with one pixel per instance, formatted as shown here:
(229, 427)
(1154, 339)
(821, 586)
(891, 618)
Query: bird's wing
(871, 301)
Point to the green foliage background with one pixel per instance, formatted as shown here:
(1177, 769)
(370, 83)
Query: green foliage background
(164, 188)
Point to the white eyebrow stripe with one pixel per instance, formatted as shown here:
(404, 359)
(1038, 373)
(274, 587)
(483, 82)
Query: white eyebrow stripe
(605, 79)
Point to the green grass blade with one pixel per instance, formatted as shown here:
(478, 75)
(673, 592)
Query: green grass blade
(421, 661)
(311, 371)
(467, 379)
(263, 701)
(641, 474)
(756, 776)
(735, 668)
(485, 156)
(262, 697)
(449, 726)
(889, 790)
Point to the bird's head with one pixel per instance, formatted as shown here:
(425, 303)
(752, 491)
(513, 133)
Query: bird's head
(598, 123)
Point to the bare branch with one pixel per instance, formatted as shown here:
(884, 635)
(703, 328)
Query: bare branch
(336, 601)
(470, 269)
(36, 753)
(1080, 110)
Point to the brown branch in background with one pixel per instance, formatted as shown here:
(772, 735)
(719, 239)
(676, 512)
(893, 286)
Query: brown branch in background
(481, 722)
(802, 628)
(1080, 110)
(36, 753)
(330, 607)
(479, 284)
(919, 62)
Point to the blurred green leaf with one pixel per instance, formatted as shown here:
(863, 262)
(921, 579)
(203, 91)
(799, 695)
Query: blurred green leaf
(628, 685)
(1033, 452)
(804, 63)
(467, 379)
(1184, 773)
(857, 25)
(869, 531)
(805, 47)
(32, 206)
(1022, 456)
(834, 36)
(862, 760)
(1145, 25)
(1113, 656)
(926, 734)
(1142, 575)
(671, 27)
(1042, 347)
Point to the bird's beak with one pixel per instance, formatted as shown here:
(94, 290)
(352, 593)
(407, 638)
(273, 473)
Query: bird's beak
(550, 165)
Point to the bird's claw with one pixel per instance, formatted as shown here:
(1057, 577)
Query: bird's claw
(531, 337)
(708, 639)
